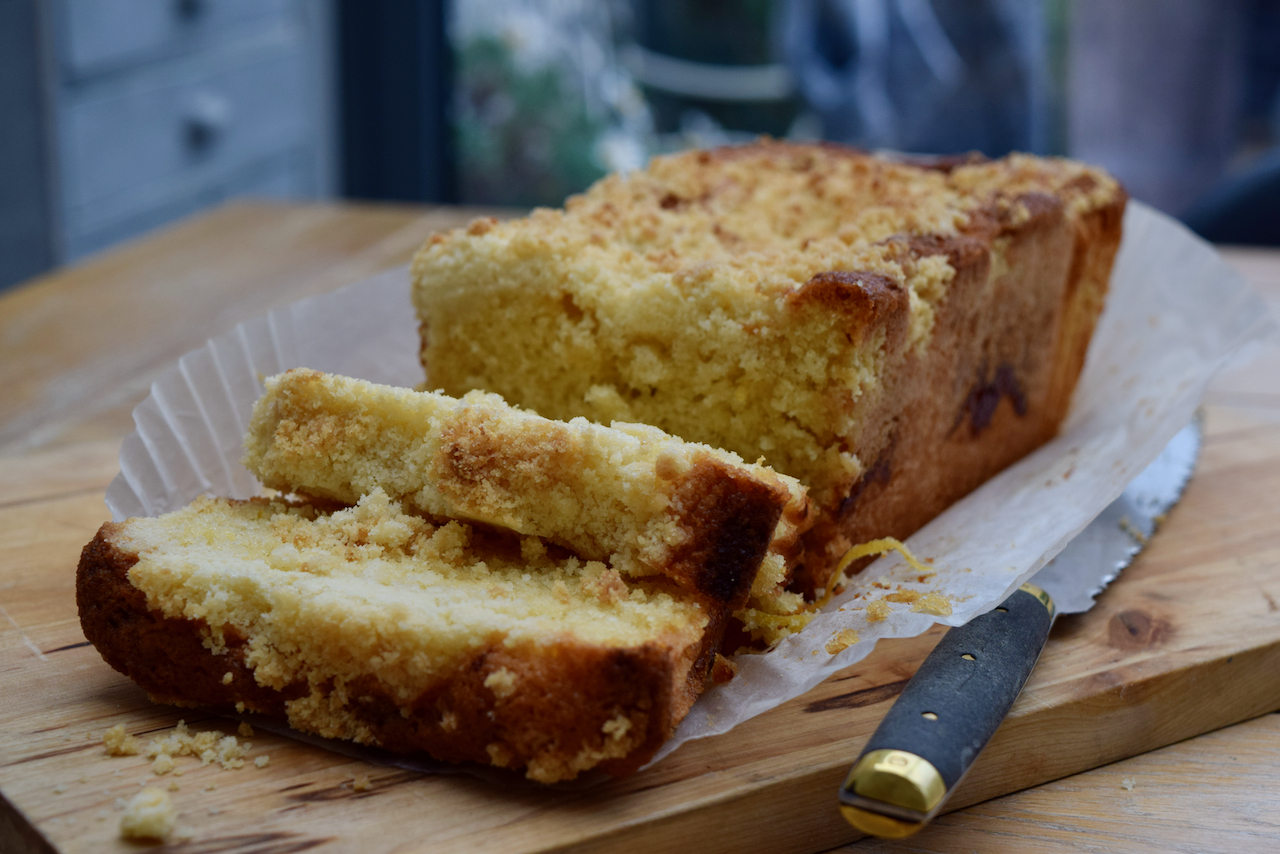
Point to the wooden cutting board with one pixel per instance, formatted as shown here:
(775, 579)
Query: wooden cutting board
(1187, 641)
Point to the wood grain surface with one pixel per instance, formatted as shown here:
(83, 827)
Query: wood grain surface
(1188, 642)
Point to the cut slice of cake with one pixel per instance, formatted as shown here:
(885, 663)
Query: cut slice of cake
(891, 333)
(450, 576)
(630, 495)
(379, 626)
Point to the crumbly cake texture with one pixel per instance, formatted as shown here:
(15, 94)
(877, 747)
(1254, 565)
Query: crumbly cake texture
(630, 495)
(379, 626)
(890, 333)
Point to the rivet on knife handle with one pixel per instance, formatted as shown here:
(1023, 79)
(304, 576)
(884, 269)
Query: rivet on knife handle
(945, 716)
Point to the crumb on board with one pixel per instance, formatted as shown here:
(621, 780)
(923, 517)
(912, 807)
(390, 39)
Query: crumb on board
(1127, 784)
(117, 742)
(244, 730)
(149, 815)
(261, 761)
(209, 747)
(361, 784)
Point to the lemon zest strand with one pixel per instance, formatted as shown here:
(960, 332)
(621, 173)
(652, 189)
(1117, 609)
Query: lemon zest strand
(884, 545)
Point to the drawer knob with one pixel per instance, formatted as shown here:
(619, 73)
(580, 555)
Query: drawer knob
(206, 120)
(189, 9)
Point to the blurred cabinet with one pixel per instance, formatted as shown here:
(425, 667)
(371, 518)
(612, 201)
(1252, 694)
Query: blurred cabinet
(152, 109)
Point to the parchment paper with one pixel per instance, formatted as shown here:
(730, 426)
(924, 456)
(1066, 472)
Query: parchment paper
(1175, 315)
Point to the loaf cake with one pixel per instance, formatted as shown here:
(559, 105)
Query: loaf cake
(890, 332)
(444, 577)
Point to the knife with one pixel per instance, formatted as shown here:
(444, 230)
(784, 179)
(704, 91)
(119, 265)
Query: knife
(963, 690)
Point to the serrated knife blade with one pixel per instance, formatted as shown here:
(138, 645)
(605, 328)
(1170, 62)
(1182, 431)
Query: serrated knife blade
(963, 690)
(1111, 541)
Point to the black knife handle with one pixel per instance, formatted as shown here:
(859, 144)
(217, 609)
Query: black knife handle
(945, 716)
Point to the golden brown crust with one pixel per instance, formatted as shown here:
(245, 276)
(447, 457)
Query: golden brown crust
(871, 302)
(999, 375)
(734, 516)
(166, 657)
(579, 706)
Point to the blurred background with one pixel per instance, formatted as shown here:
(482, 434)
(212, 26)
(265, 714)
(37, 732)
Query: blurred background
(118, 116)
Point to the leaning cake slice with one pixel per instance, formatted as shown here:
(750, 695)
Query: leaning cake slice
(645, 502)
(441, 583)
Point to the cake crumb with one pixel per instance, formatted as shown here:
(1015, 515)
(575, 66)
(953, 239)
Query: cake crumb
(173, 785)
(261, 761)
(502, 682)
(244, 730)
(228, 678)
(361, 784)
(148, 815)
(1127, 784)
(162, 764)
(841, 641)
(498, 755)
(616, 727)
(117, 742)
(59, 788)
(208, 746)
(722, 670)
(877, 611)
(935, 604)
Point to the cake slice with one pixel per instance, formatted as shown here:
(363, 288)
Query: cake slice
(891, 333)
(449, 576)
(642, 501)
(378, 626)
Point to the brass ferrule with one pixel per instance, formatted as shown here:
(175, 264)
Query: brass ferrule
(891, 793)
